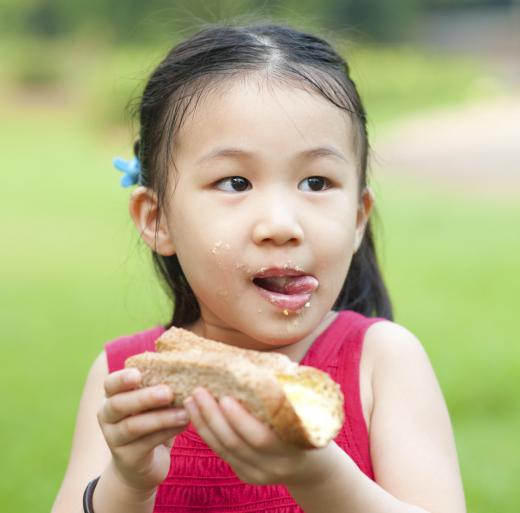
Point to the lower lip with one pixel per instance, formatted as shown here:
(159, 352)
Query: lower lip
(292, 303)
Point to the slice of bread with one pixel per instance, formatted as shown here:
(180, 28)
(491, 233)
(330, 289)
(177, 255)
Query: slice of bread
(303, 405)
(178, 339)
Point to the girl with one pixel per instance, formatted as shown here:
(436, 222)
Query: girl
(252, 163)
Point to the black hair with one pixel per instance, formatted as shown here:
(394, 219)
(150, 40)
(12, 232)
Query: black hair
(207, 59)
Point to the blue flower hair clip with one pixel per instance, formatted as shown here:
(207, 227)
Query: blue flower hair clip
(131, 170)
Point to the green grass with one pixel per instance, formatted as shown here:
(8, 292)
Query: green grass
(73, 276)
(451, 261)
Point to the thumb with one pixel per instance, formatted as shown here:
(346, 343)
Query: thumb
(168, 442)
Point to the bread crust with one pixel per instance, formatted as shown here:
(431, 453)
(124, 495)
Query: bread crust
(255, 379)
(179, 339)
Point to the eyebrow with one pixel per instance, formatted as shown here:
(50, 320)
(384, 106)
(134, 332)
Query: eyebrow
(238, 153)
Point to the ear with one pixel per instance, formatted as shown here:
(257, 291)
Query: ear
(144, 210)
(366, 204)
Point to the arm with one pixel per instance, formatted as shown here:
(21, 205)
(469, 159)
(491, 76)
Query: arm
(412, 446)
(89, 454)
(131, 451)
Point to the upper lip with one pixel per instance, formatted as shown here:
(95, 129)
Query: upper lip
(274, 272)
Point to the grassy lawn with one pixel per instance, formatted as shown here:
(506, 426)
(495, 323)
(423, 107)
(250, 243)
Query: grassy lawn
(452, 266)
(73, 276)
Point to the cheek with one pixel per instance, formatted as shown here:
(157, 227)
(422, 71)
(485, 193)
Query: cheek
(207, 258)
(206, 267)
(334, 234)
(204, 252)
(333, 247)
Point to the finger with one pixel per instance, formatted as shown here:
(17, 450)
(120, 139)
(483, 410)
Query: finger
(137, 426)
(241, 458)
(124, 404)
(200, 425)
(250, 429)
(215, 427)
(121, 381)
(147, 443)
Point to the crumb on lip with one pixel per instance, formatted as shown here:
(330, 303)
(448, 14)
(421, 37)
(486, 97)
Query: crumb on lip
(286, 312)
(285, 267)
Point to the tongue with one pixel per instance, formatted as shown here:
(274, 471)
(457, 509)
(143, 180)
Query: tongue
(289, 285)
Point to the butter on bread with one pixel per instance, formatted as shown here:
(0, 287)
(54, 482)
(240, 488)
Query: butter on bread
(303, 405)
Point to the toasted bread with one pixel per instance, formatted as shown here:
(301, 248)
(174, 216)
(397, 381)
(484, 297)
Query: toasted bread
(303, 405)
(178, 339)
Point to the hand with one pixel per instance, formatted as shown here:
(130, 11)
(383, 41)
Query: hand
(253, 449)
(139, 428)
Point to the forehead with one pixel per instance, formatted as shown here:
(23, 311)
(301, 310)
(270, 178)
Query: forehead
(265, 118)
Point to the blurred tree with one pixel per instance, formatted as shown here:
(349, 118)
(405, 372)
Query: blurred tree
(458, 4)
(129, 20)
(378, 19)
(44, 19)
(135, 20)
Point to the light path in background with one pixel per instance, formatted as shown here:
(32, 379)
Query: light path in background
(476, 147)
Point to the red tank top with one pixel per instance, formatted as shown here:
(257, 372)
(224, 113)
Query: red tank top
(199, 480)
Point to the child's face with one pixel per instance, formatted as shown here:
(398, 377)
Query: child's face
(270, 216)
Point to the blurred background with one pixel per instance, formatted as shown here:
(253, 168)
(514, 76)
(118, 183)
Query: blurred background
(440, 80)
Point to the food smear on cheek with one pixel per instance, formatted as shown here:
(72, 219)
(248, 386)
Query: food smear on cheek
(219, 252)
(219, 246)
(292, 324)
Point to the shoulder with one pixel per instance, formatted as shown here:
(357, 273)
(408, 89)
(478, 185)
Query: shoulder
(411, 438)
(139, 337)
(121, 348)
(389, 347)
(99, 369)
(402, 376)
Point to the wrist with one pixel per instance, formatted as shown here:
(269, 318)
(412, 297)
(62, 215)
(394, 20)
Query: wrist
(318, 465)
(137, 491)
(114, 493)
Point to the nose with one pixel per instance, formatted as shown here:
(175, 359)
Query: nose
(277, 222)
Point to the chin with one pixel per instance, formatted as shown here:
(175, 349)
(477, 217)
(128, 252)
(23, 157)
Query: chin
(288, 330)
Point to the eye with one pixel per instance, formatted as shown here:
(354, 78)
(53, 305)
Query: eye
(233, 184)
(315, 184)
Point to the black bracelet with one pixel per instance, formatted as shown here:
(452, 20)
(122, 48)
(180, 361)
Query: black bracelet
(88, 494)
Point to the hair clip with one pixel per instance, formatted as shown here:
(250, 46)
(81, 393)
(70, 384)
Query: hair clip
(131, 170)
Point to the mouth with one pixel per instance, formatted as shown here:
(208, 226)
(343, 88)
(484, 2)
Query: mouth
(288, 289)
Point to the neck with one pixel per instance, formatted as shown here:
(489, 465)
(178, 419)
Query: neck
(295, 350)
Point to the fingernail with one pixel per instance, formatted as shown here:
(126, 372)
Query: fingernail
(132, 375)
(227, 402)
(189, 404)
(161, 393)
(198, 393)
